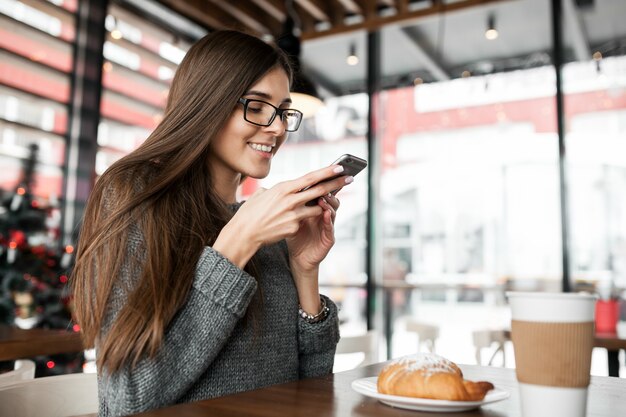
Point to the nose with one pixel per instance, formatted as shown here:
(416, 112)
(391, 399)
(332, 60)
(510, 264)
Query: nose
(277, 127)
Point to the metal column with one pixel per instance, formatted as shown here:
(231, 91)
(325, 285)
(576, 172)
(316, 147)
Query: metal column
(557, 48)
(373, 266)
(81, 146)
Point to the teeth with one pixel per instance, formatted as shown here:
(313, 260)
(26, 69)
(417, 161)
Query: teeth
(263, 148)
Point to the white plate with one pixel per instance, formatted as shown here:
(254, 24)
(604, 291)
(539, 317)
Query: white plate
(367, 387)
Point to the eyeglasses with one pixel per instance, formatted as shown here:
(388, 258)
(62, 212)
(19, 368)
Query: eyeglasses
(261, 113)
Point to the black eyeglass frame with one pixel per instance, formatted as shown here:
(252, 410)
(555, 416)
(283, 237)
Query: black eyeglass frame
(277, 112)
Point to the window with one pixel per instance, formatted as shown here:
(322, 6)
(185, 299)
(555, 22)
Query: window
(595, 123)
(140, 62)
(469, 184)
(35, 65)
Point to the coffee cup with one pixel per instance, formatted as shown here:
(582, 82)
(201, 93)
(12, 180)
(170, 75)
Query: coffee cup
(553, 336)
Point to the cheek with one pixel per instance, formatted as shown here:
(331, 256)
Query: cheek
(234, 135)
(280, 141)
(240, 131)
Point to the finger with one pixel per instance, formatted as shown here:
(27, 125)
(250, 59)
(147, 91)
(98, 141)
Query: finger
(329, 219)
(305, 212)
(328, 207)
(333, 201)
(313, 177)
(322, 189)
(328, 227)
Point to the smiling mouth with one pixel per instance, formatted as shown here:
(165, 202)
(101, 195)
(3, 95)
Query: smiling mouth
(262, 148)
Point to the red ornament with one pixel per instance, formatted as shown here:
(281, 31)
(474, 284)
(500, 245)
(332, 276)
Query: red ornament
(38, 250)
(18, 237)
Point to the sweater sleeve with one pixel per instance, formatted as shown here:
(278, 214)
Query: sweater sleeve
(218, 298)
(317, 343)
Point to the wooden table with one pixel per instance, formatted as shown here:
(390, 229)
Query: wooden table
(21, 343)
(332, 396)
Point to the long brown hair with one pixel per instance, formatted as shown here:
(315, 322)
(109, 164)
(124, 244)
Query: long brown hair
(163, 190)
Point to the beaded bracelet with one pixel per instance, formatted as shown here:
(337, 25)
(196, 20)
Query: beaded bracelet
(309, 318)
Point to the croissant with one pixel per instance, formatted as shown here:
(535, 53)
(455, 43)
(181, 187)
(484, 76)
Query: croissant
(429, 376)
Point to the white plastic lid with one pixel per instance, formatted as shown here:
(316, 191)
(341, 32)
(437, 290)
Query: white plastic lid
(552, 307)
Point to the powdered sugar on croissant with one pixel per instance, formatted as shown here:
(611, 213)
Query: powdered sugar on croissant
(427, 375)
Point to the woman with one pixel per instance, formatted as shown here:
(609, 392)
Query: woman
(185, 293)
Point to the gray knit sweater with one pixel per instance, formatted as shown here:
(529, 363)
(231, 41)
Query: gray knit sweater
(208, 350)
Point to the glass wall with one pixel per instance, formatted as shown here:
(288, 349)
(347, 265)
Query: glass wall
(140, 61)
(469, 185)
(594, 85)
(595, 121)
(469, 159)
(470, 170)
(35, 65)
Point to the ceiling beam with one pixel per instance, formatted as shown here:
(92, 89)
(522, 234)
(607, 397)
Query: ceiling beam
(387, 3)
(351, 6)
(255, 20)
(375, 22)
(323, 11)
(572, 22)
(402, 6)
(429, 62)
(276, 10)
(316, 8)
(199, 11)
(369, 8)
(308, 13)
(306, 20)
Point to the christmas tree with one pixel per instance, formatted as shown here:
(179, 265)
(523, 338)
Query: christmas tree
(33, 269)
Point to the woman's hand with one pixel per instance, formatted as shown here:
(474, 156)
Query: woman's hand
(315, 237)
(308, 247)
(278, 213)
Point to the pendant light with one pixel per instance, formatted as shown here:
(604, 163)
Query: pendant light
(352, 58)
(491, 33)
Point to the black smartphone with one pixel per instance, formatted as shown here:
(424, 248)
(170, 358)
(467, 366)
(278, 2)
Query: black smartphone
(351, 164)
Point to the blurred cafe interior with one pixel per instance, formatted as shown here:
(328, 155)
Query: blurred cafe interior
(495, 132)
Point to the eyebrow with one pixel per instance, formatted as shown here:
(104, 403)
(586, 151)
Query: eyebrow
(264, 95)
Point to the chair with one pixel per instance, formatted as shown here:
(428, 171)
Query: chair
(24, 369)
(365, 343)
(53, 396)
(427, 333)
(485, 339)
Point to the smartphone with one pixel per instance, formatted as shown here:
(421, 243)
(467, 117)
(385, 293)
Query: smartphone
(351, 164)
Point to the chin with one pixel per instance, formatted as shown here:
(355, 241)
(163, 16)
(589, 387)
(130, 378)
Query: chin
(257, 174)
(255, 168)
